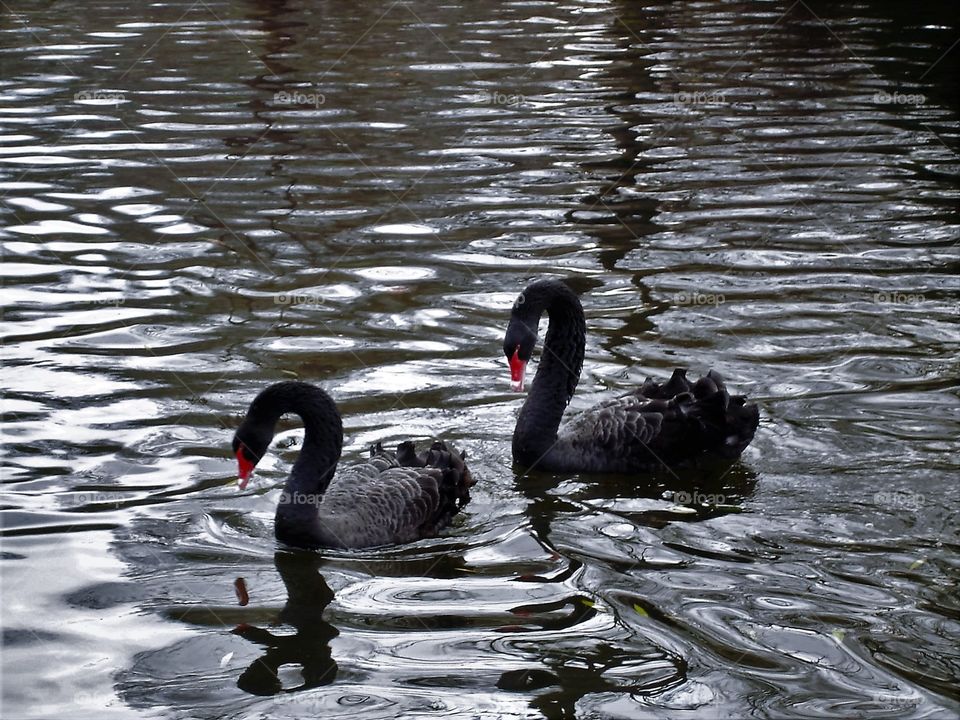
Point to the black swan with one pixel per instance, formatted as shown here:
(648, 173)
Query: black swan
(391, 498)
(672, 424)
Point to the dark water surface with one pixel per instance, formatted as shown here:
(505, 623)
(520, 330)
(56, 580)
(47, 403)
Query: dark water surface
(201, 198)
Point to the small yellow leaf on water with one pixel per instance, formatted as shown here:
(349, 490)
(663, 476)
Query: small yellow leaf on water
(588, 603)
(838, 635)
(291, 373)
(641, 611)
(917, 563)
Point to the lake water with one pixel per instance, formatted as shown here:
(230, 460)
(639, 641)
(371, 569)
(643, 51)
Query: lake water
(201, 198)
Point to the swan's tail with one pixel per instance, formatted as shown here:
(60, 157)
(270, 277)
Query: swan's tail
(725, 423)
(729, 423)
(446, 478)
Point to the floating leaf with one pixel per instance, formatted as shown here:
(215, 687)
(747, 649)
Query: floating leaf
(640, 611)
(917, 563)
(838, 635)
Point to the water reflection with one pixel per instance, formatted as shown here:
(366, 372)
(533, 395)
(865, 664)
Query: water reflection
(649, 499)
(565, 671)
(618, 660)
(733, 185)
(308, 649)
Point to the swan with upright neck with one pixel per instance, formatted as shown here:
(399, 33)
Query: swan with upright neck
(391, 498)
(671, 424)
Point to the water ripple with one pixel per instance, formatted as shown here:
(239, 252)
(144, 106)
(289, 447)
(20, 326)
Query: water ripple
(212, 197)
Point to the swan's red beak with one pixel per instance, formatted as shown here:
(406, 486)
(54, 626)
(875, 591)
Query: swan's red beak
(244, 469)
(517, 369)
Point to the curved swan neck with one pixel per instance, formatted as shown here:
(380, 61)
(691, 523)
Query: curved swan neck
(323, 432)
(559, 369)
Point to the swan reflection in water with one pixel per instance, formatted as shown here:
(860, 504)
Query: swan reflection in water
(622, 658)
(309, 648)
(564, 640)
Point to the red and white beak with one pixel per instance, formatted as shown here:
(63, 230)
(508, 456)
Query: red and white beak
(244, 468)
(517, 369)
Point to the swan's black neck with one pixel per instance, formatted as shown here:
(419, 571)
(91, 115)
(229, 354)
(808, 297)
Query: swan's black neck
(559, 369)
(322, 444)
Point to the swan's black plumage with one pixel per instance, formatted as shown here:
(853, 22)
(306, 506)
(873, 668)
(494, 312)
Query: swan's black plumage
(675, 423)
(391, 498)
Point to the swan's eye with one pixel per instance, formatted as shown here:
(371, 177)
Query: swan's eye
(248, 454)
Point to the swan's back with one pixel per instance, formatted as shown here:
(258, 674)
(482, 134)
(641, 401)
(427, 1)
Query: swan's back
(394, 497)
(671, 424)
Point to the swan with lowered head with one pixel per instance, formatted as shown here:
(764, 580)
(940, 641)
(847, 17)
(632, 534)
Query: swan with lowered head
(672, 424)
(391, 498)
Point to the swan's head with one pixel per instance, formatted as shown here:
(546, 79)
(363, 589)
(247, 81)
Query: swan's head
(518, 346)
(249, 445)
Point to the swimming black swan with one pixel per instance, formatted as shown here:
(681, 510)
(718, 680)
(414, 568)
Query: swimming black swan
(391, 498)
(674, 423)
